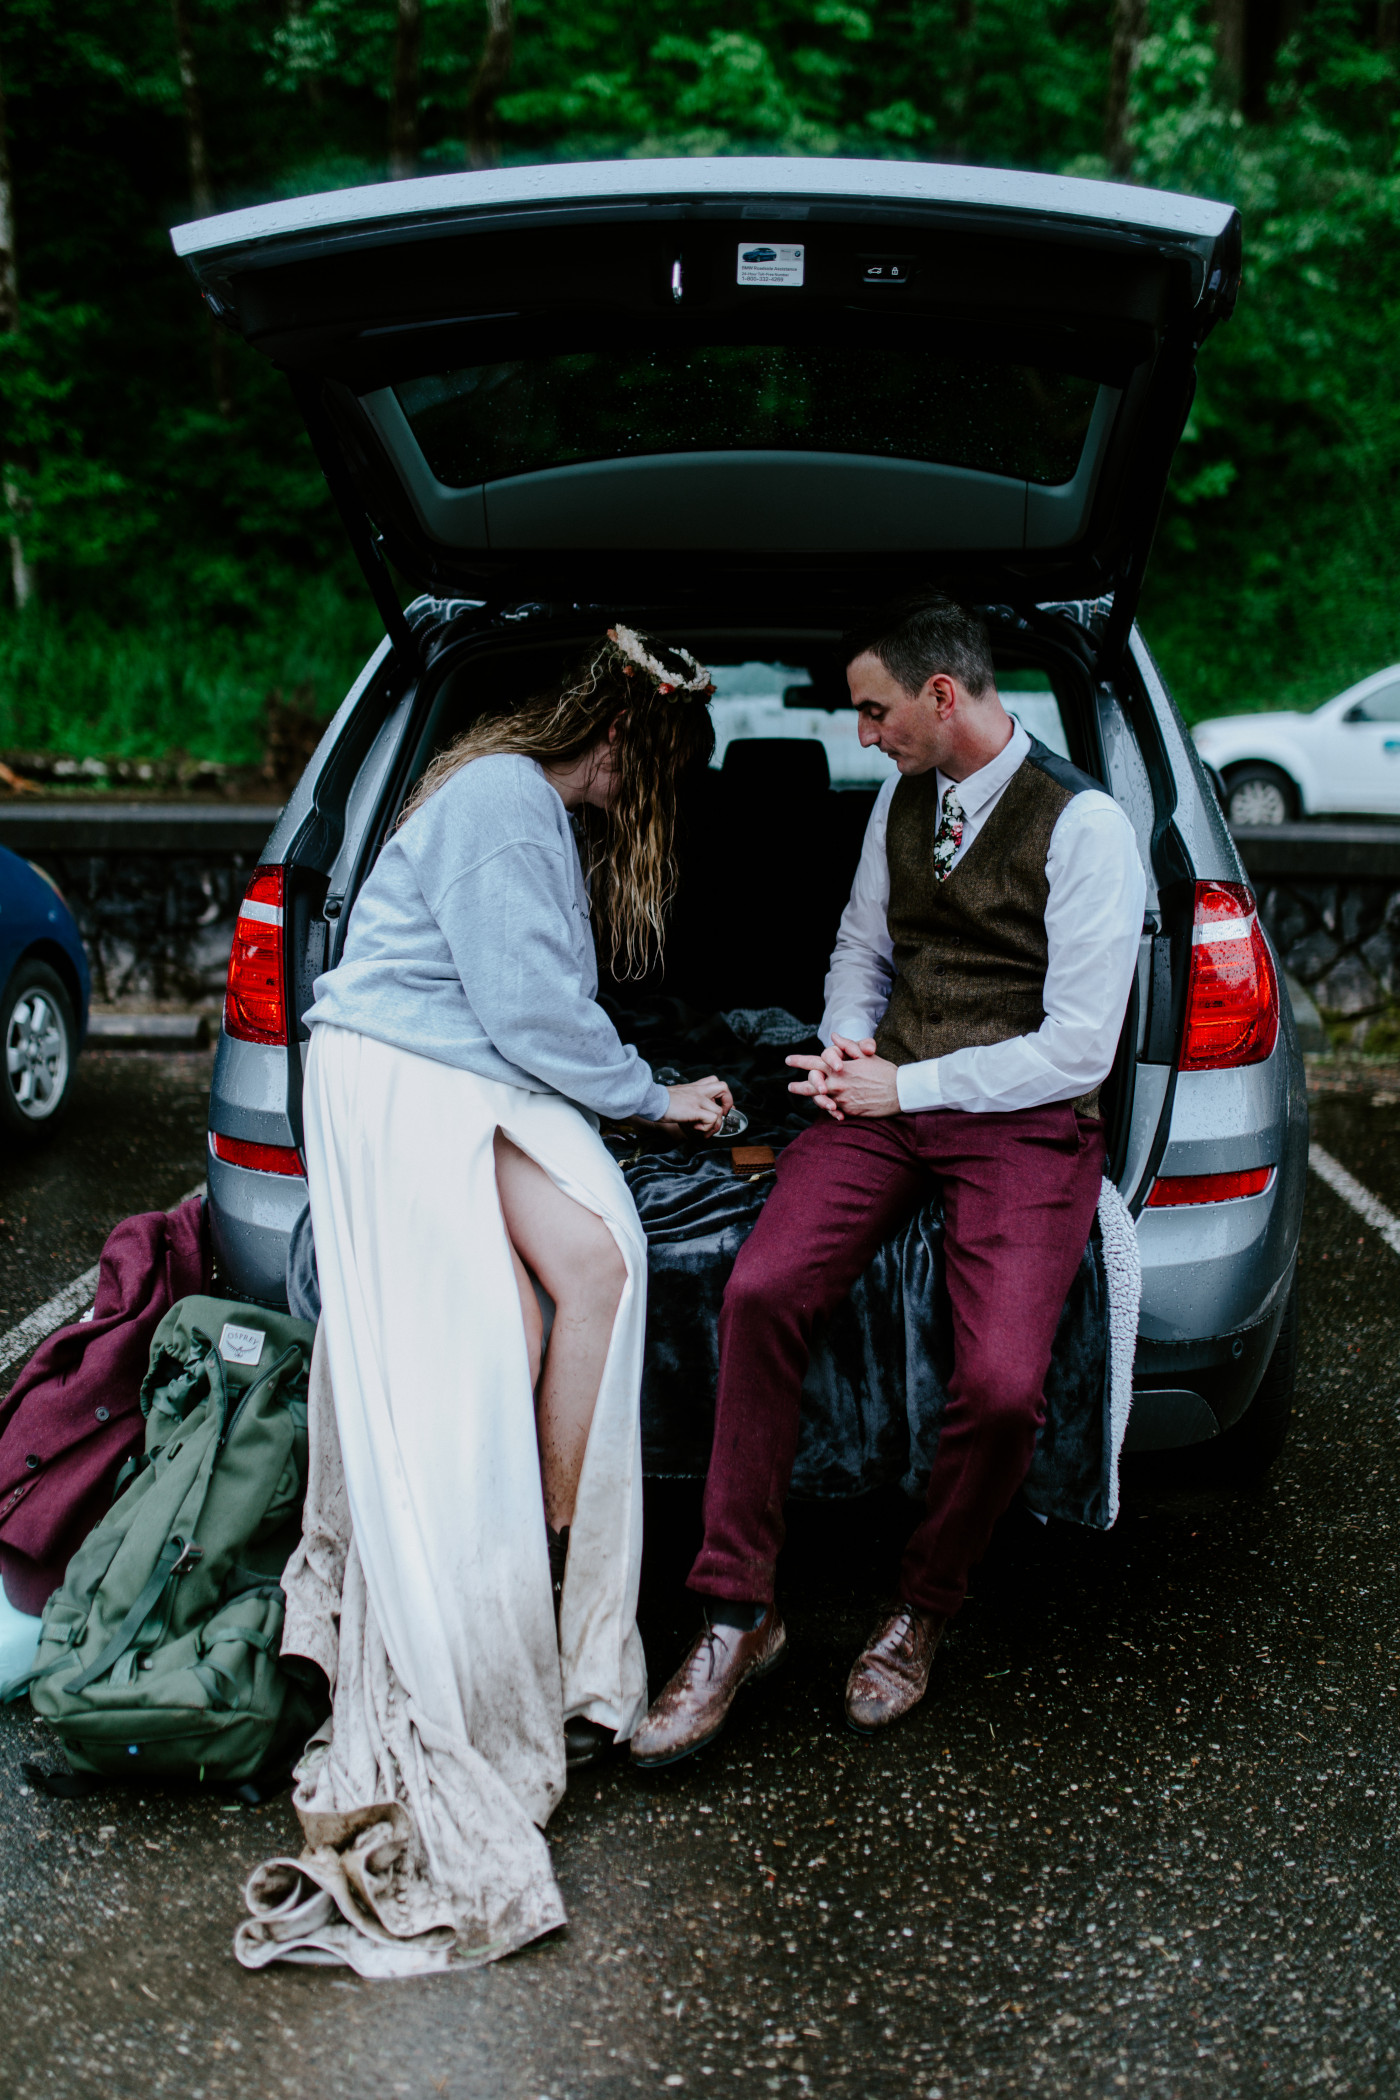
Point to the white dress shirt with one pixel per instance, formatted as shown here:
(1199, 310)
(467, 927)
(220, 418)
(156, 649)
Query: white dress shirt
(1093, 922)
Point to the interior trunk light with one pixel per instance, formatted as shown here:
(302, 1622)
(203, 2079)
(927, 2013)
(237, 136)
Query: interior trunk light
(1174, 1189)
(255, 1007)
(263, 1159)
(1232, 996)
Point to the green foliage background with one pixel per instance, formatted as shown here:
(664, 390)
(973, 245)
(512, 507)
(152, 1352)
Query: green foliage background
(189, 563)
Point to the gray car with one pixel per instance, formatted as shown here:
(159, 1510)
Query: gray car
(555, 397)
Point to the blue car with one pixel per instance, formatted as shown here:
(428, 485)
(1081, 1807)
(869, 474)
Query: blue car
(44, 1004)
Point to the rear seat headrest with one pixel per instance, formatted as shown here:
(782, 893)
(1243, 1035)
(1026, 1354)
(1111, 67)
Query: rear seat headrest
(788, 765)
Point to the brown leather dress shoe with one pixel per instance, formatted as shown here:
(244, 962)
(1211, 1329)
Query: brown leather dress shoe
(695, 1704)
(890, 1675)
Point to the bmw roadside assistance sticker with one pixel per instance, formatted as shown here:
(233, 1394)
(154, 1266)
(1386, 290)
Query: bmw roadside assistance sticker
(764, 262)
(241, 1345)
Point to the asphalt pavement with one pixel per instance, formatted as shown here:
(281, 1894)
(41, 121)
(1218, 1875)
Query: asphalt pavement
(1141, 1839)
(133, 1137)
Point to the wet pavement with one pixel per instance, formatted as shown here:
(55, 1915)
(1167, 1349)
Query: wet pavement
(1142, 1838)
(132, 1138)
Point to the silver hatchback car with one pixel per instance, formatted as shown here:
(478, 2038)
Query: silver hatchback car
(737, 403)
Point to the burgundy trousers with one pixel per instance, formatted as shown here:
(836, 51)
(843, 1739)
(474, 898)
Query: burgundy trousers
(1019, 1195)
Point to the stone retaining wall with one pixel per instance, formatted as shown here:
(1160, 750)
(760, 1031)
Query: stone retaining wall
(155, 890)
(1341, 940)
(1330, 897)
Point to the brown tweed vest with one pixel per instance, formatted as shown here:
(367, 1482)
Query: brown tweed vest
(970, 953)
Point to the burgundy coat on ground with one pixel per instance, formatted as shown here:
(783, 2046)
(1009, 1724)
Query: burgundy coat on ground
(73, 1417)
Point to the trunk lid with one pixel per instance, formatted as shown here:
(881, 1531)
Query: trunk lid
(567, 371)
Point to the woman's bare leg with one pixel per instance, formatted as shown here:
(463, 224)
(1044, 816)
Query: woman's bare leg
(530, 1313)
(578, 1261)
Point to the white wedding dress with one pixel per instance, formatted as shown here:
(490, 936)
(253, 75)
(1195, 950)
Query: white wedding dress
(421, 1586)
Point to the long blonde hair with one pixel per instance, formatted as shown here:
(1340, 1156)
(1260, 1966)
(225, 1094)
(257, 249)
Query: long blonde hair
(629, 849)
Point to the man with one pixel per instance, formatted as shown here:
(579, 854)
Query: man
(973, 1007)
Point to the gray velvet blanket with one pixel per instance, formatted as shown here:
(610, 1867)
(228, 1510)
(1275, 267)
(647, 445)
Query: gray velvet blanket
(877, 1385)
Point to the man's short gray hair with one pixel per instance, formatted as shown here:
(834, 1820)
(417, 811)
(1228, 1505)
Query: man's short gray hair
(925, 635)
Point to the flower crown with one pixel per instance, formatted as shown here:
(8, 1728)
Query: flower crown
(671, 670)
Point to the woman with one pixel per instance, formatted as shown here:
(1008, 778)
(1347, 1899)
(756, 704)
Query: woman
(468, 1571)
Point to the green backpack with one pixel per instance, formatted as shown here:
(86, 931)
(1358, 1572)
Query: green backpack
(159, 1655)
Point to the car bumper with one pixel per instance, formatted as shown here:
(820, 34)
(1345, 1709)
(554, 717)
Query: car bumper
(251, 1216)
(1216, 1276)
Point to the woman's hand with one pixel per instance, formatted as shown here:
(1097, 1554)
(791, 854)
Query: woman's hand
(700, 1104)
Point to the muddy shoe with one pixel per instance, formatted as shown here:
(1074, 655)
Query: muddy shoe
(890, 1675)
(585, 1743)
(695, 1704)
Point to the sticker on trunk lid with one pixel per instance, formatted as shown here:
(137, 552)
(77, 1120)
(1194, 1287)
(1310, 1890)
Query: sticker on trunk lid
(241, 1345)
(762, 263)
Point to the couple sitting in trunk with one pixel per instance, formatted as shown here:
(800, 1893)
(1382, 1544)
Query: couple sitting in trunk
(458, 1066)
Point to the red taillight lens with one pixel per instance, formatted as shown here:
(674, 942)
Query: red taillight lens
(1208, 1188)
(1232, 998)
(263, 1159)
(255, 1007)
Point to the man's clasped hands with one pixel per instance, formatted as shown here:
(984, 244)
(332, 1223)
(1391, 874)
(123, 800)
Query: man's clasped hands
(849, 1079)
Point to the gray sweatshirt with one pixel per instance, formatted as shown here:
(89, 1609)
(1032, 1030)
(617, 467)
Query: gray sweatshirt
(470, 943)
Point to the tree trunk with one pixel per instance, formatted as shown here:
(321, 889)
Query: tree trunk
(1268, 26)
(1129, 29)
(1248, 37)
(1231, 30)
(1387, 24)
(483, 150)
(21, 574)
(403, 109)
(201, 188)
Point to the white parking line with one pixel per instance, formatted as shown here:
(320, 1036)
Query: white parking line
(1361, 1200)
(65, 1305)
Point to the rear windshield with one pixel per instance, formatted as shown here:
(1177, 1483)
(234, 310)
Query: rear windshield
(766, 700)
(487, 421)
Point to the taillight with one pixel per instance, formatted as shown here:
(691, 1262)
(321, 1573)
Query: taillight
(255, 1006)
(1232, 996)
(263, 1159)
(1173, 1189)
